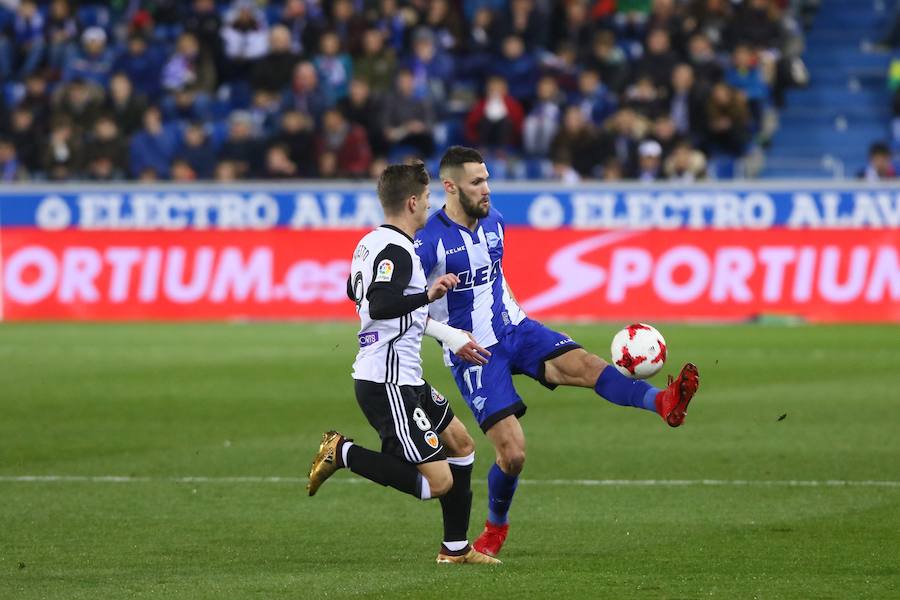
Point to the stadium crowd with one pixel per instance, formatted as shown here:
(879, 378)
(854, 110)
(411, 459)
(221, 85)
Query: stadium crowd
(199, 89)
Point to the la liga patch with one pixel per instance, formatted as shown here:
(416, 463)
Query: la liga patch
(385, 270)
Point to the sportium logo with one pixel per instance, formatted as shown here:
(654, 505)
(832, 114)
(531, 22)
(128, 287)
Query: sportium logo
(131, 274)
(720, 274)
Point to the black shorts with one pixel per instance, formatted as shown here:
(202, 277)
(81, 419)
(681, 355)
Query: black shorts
(409, 418)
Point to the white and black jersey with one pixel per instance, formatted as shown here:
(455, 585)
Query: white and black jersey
(389, 287)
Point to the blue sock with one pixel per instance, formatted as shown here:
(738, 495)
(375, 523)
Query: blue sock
(501, 488)
(624, 391)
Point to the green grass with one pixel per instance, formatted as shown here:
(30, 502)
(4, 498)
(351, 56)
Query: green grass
(167, 401)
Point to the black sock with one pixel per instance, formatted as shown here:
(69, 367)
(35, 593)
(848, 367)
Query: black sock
(457, 504)
(385, 469)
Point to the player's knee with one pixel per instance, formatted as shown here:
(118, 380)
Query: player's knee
(440, 484)
(512, 460)
(463, 444)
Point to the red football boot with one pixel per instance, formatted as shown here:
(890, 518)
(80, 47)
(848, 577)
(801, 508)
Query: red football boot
(491, 539)
(672, 402)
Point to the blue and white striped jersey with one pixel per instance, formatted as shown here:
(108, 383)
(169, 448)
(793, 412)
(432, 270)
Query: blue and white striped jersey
(481, 303)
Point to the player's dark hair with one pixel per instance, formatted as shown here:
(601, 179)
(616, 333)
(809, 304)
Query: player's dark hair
(457, 156)
(399, 182)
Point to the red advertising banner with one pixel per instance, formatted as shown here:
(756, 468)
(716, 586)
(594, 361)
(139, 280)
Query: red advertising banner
(843, 275)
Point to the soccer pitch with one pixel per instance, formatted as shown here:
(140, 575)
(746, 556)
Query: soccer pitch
(169, 461)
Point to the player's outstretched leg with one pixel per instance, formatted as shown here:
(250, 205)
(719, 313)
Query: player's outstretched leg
(336, 452)
(578, 367)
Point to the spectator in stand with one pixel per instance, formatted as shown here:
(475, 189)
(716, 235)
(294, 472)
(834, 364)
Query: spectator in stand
(572, 24)
(335, 69)
(342, 147)
(28, 37)
(881, 165)
(482, 45)
(226, 172)
(279, 164)
(203, 20)
(686, 104)
(125, 106)
(644, 98)
(245, 38)
(727, 126)
(348, 25)
(702, 57)
(361, 108)
(625, 129)
(26, 137)
(443, 21)
(142, 64)
(377, 65)
(578, 145)
(518, 68)
(596, 101)
(664, 15)
(185, 104)
(709, 18)
(542, 123)
(649, 162)
(242, 149)
(685, 164)
(106, 145)
(63, 152)
(80, 101)
(189, 67)
(495, 121)
(394, 22)
(272, 72)
(182, 171)
(659, 59)
(408, 120)
(37, 100)
(266, 111)
(93, 62)
(61, 32)
(663, 131)
(609, 61)
(755, 24)
(197, 150)
(11, 168)
(305, 29)
(432, 69)
(298, 135)
(153, 147)
(745, 76)
(527, 22)
(305, 93)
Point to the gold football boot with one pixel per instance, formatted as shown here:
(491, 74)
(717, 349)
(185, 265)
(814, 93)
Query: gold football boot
(325, 463)
(472, 557)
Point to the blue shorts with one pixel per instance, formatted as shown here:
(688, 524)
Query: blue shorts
(488, 389)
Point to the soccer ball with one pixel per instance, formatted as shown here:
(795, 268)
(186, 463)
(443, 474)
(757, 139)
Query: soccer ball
(639, 351)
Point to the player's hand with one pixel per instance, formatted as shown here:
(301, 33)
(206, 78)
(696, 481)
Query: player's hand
(444, 284)
(472, 352)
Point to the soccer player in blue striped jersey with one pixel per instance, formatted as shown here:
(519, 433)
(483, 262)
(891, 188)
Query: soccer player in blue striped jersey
(466, 238)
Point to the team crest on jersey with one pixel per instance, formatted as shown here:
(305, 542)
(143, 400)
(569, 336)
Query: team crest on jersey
(493, 240)
(431, 439)
(385, 270)
(437, 397)
(478, 403)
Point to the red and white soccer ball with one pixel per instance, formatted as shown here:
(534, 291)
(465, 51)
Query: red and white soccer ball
(639, 351)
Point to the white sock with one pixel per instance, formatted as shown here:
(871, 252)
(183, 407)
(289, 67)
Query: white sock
(426, 489)
(456, 546)
(344, 450)
(462, 461)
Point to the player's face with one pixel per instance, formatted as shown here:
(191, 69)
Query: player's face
(422, 206)
(474, 193)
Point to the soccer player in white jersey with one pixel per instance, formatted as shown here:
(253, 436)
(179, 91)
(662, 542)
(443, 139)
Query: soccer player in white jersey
(466, 239)
(414, 421)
